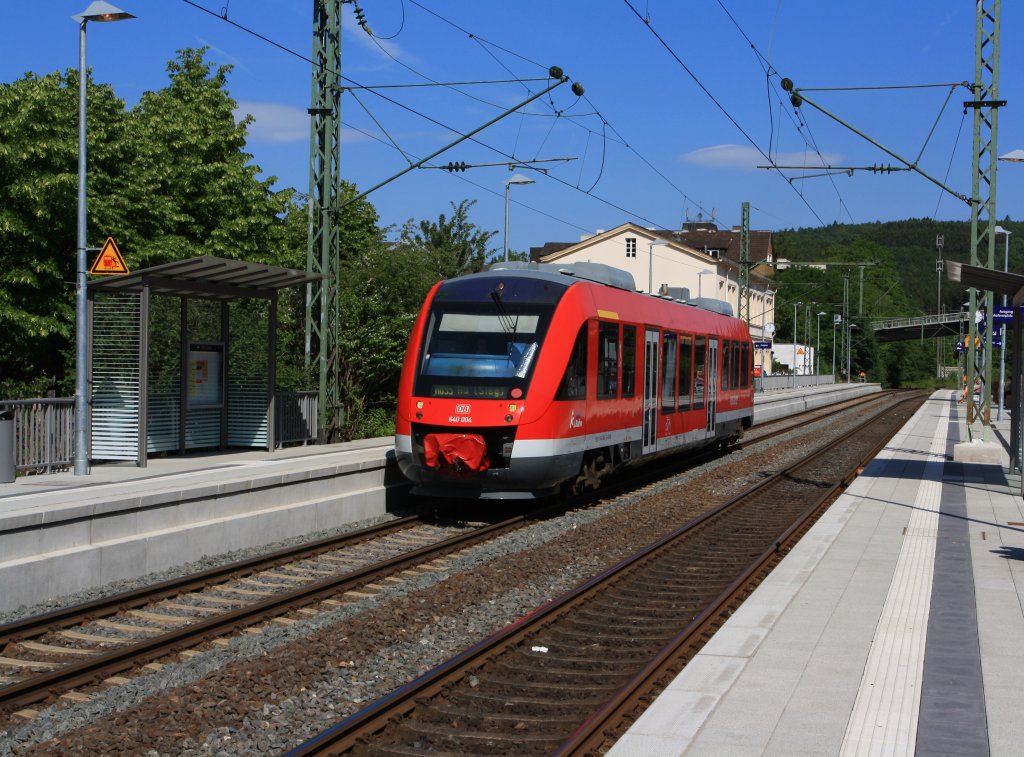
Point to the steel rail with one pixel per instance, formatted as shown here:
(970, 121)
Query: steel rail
(592, 733)
(67, 617)
(40, 687)
(361, 725)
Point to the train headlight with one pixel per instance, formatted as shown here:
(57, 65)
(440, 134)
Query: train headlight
(512, 407)
(508, 419)
(419, 416)
(419, 405)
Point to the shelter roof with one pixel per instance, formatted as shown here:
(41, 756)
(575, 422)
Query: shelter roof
(208, 277)
(987, 279)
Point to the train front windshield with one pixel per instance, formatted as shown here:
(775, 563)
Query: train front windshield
(483, 337)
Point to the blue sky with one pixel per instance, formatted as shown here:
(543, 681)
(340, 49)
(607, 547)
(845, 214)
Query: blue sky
(650, 142)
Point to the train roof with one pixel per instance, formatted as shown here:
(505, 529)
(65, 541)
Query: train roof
(606, 275)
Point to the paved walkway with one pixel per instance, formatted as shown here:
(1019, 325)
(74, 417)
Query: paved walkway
(895, 627)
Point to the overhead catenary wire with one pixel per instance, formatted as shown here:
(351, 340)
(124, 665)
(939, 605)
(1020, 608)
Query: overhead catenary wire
(511, 158)
(797, 120)
(715, 100)
(605, 123)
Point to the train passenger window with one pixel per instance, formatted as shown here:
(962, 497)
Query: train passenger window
(629, 361)
(668, 373)
(607, 360)
(726, 353)
(700, 360)
(737, 364)
(685, 371)
(574, 381)
(747, 366)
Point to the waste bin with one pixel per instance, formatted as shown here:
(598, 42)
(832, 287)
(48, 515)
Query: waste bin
(6, 446)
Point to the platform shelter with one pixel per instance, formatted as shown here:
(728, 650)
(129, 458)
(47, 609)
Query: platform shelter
(169, 372)
(1011, 285)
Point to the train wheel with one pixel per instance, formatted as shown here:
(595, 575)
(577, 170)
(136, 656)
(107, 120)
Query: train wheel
(592, 473)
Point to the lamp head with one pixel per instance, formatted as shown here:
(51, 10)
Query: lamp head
(519, 179)
(101, 11)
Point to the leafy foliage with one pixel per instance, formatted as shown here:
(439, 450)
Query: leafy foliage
(452, 246)
(901, 281)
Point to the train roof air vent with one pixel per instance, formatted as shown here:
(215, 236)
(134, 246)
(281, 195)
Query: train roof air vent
(596, 272)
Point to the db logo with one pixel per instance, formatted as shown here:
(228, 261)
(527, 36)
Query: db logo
(464, 408)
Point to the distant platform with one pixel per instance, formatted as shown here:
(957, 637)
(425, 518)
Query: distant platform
(895, 627)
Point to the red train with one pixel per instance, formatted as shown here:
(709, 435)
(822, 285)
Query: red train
(529, 377)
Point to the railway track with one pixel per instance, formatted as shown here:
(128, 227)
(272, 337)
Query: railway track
(566, 678)
(50, 655)
(53, 654)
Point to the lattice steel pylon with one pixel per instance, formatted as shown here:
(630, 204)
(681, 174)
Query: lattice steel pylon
(986, 103)
(323, 245)
(744, 283)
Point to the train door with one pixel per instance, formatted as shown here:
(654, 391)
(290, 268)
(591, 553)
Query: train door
(650, 426)
(712, 384)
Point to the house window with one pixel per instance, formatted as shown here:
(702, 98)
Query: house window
(630, 247)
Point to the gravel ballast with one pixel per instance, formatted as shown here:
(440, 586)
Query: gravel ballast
(265, 693)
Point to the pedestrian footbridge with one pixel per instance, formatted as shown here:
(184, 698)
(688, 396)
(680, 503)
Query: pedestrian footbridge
(921, 327)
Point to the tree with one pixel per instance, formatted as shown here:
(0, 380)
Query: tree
(200, 189)
(453, 246)
(38, 196)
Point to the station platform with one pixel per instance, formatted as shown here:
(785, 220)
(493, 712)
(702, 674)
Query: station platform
(61, 533)
(895, 626)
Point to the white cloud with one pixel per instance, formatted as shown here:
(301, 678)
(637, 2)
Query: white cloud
(741, 156)
(274, 122)
(282, 123)
(222, 55)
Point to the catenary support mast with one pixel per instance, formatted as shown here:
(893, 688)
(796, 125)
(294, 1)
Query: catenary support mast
(323, 248)
(986, 105)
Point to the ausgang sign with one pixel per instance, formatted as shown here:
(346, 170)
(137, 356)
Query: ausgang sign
(109, 262)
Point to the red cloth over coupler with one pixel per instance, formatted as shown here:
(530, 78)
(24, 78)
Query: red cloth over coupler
(456, 454)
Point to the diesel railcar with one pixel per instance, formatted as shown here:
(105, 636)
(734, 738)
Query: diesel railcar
(528, 378)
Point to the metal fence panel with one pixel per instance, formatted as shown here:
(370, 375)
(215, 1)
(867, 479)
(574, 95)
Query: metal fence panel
(44, 433)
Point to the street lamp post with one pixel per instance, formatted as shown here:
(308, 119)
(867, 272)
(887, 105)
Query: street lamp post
(650, 262)
(1014, 156)
(849, 349)
(1002, 348)
(807, 336)
(795, 306)
(97, 11)
(516, 179)
(835, 322)
(765, 331)
(817, 347)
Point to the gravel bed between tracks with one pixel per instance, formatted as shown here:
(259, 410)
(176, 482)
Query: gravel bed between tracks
(265, 693)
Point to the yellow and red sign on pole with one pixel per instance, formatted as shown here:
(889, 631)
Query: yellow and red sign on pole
(109, 262)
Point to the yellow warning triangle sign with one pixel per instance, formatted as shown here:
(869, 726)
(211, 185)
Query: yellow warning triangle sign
(109, 261)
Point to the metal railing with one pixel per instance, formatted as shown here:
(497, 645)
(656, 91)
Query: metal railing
(923, 320)
(790, 381)
(44, 433)
(44, 428)
(295, 417)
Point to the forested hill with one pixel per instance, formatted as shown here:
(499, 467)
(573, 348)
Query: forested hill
(910, 248)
